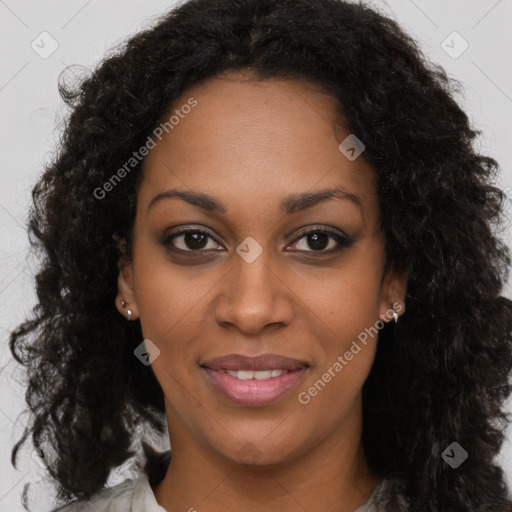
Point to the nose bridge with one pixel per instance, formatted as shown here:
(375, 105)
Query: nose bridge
(254, 295)
(253, 275)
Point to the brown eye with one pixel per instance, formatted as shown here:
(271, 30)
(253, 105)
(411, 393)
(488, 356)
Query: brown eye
(317, 240)
(189, 240)
(320, 241)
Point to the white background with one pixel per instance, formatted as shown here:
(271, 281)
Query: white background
(84, 30)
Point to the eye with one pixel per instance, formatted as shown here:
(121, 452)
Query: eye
(189, 240)
(318, 240)
(196, 240)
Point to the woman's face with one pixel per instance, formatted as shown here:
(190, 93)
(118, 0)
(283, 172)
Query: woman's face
(253, 283)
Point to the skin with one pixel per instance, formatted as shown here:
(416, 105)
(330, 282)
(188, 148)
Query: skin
(250, 144)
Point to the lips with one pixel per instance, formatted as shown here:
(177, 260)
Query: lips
(254, 381)
(264, 362)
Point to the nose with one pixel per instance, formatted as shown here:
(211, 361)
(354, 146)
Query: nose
(254, 296)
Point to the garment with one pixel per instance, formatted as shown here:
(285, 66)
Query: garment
(387, 496)
(128, 496)
(137, 496)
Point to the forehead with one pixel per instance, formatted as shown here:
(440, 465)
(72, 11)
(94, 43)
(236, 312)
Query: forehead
(255, 140)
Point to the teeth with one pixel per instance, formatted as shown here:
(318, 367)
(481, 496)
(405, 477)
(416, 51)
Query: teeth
(258, 375)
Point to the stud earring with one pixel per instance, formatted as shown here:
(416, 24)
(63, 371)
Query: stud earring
(129, 313)
(395, 314)
(123, 303)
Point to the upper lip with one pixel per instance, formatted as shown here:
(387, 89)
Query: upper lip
(262, 362)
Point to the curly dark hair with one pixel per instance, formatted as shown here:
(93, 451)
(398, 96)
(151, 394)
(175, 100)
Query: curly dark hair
(440, 375)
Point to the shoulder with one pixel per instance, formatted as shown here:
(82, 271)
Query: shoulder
(119, 498)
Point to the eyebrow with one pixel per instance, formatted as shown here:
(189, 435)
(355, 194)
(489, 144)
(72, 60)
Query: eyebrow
(291, 204)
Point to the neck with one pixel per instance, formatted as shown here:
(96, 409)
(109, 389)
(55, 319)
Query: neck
(332, 476)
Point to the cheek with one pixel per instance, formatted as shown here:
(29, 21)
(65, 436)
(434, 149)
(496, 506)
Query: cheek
(347, 304)
(346, 298)
(171, 300)
(172, 312)
(343, 363)
(172, 315)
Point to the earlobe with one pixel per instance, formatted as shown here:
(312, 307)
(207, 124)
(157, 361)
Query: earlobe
(393, 295)
(126, 302)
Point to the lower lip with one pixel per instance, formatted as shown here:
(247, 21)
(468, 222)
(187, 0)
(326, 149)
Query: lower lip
(253, 392)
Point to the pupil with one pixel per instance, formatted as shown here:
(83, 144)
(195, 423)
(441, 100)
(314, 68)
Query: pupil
(193, 240)
(315, 237)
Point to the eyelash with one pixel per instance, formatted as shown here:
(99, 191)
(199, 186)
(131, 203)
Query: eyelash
(343, 241)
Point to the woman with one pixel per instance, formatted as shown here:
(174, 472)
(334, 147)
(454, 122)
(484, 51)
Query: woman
(268, 234)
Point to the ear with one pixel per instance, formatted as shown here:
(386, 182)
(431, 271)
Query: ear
(393, 290)
(125, 291)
